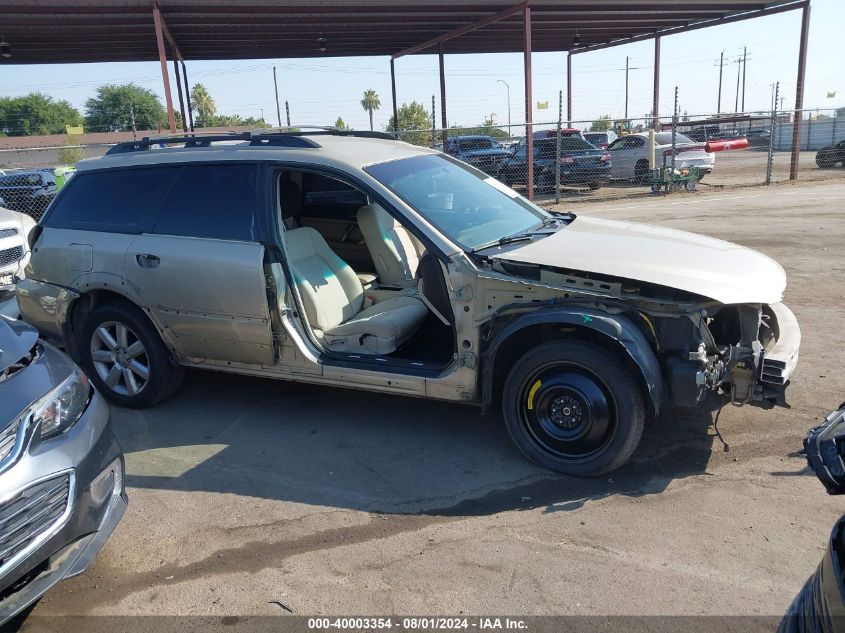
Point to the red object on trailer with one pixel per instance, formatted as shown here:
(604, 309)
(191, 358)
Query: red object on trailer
(721, 146)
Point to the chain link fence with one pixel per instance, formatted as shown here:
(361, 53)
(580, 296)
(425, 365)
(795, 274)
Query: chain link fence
(575, 161)
(603, 159)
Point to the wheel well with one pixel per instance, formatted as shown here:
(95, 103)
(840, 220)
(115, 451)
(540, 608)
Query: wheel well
(519, 342)
(79, 312)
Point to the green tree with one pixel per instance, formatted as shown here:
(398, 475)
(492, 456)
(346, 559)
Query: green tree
(602, 124)
(115, 106)
(370, 103)
(203, 105)
(414, 123)
(36, 113)
(72, 155)
(340, 124)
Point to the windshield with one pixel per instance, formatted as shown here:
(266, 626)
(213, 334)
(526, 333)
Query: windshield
(20, 179)
(466, 204)
(665, 138)
(571, 144)
(473, 144)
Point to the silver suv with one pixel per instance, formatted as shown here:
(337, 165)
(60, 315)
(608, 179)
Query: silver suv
(355, 260)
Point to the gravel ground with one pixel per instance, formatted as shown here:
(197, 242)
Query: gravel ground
(244, 491)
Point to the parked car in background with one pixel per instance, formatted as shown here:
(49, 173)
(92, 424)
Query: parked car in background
(581, 163)
(757, 136)
(15, 229)
(552, 133)
(250, 254)
(61, 469)
(705, 133)
(631, 155)
(830, 155)
(483, 152)
(601, 139)
(28, 191)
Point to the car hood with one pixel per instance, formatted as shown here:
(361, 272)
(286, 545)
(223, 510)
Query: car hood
(712, 268)
(16, 339)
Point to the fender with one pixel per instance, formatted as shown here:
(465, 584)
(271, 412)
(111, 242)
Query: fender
(614, 326)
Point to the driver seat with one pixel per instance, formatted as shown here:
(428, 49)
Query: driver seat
(395, 252)
(333, 299)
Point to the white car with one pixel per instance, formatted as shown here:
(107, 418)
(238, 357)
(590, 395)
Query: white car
(630, 155)
(14, 255)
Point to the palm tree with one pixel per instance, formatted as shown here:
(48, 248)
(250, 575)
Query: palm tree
(370, 102)
(204, 105)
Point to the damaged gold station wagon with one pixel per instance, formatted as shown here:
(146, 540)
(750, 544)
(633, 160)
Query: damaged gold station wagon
(356, 260)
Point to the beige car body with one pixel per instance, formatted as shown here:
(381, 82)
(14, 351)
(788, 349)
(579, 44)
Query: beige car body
(218, 307)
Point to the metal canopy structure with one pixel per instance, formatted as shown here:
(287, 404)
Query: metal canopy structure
(65, 31)
(55, 31)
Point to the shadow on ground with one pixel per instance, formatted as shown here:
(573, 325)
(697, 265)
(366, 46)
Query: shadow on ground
(378, 453)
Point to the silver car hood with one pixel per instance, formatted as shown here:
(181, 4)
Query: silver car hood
(712, 268)
(16, 339)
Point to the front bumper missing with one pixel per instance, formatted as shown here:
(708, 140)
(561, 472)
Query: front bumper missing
(68, 562)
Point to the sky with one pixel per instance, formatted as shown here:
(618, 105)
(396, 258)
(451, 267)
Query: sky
(321, 90)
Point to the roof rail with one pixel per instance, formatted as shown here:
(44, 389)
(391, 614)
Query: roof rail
(276, 137)
(191, 139)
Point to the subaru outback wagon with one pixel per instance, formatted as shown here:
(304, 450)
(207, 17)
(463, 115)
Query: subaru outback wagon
(356, 260)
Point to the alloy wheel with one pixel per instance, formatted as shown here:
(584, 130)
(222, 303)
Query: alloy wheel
(120, 358)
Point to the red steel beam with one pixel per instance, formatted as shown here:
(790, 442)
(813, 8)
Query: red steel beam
(529, 100)
(568, 89)
(440, 39)
(162, 58)
(655, 106)
(440, 53)
(758, 13)
(799, 93)
(393, 93)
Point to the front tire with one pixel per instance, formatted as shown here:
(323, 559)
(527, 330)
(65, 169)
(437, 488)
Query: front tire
(573, 407)
(642, 174)
(126, 358)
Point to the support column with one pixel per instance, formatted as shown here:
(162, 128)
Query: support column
(529, 100)
(568, 89)
(655, 107)
(443, 119)
(799, 93)
(188, 95)
(179, 90)
(162, 58)
(393, 92)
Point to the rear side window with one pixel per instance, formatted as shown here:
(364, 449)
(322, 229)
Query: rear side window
(114, 201)
(212, 201)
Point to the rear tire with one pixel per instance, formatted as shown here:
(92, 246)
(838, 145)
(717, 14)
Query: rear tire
(595, 186)
(125, 357)
(573, 407)
(641, 172)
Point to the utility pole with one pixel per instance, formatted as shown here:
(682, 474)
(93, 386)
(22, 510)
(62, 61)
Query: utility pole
(628, 68)
(744, 61)
(721, 66)
(134, 128)
(738, 61)
(276, 87)
(287, 113)
(433, 124)
(626, 88)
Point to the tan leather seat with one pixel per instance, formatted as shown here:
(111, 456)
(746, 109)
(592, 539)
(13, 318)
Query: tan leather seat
(333, 299)
(395, 252)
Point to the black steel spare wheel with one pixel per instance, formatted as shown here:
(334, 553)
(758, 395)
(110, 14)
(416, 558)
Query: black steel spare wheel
(573, 407)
